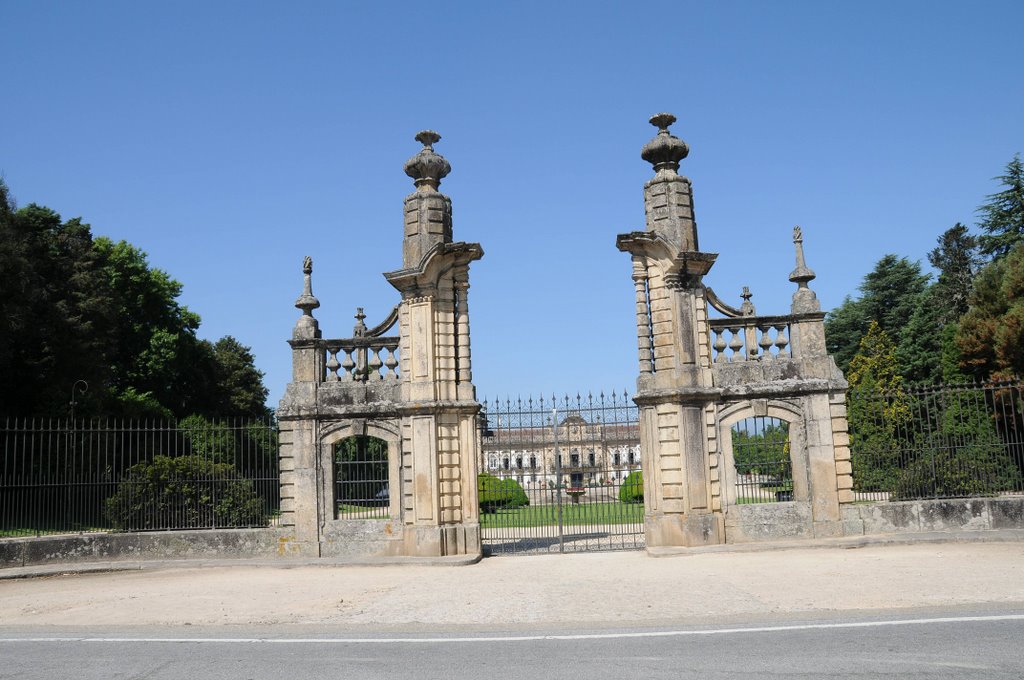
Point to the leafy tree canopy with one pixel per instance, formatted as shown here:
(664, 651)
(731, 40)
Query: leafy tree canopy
(77, 308)
(890, 294)
(991, 335)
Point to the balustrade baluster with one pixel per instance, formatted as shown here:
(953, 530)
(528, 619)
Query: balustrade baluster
(736, 344)
(781, 341)
(347, 364)
(720, 355)
(766, 341)
(391, 363)
(374, 363)
(332, 365)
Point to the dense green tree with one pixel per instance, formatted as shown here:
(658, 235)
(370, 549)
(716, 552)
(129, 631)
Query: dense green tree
(957, 260)
(77, 308)
(844, 327)
(877, 410)
(238, 384)
(54, 316)
(890, 293)
(919, 352)
(1002, 217)
(991, 334)
(155, 337)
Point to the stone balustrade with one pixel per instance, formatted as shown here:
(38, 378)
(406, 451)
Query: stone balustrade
(751, 338)
(361, 359)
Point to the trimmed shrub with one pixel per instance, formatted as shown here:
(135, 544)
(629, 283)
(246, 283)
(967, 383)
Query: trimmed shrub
(632, 489)
(184, 492)
(497, 493)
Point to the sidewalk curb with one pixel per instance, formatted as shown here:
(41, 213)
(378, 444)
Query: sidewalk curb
(849, 543)
(69, 569)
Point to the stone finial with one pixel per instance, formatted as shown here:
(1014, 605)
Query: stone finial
(666, 150)
(804, 299)
(359, 330)
(307, 302)
(747, 308)
(307, 327)
(427, 168)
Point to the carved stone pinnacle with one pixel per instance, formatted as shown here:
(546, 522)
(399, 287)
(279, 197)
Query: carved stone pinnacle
(307, 302)
(427, 168)
(666, 150)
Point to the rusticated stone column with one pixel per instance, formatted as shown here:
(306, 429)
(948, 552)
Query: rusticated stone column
(438, 406)
(299, 449)
(675, 391)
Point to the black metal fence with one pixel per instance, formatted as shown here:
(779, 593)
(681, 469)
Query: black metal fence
(761, 455)
(944, 441)
(61, 476)
(557, 474)
(561, 475)
(361, 478)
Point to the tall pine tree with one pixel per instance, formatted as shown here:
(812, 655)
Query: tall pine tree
(1002, 217)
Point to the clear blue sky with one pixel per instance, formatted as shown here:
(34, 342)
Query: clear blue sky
(230, 139)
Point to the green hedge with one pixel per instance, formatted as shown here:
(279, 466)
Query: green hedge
(184, 492)
(499, 493)
(632, 489)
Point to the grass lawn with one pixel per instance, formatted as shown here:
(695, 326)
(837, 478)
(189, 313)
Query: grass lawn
(547, 515)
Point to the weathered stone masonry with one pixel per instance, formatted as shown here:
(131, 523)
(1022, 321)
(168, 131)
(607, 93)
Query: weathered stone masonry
(413, 390)
(699, 376)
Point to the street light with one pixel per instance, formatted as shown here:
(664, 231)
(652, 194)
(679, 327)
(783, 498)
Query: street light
(82, 390)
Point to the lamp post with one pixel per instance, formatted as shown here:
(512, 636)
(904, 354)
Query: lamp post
(81, 390)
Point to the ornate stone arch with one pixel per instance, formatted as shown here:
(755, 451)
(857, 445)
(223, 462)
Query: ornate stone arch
(770, 408)
(385, 430)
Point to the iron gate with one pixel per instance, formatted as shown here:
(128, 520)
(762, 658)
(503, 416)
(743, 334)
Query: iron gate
(561, 475)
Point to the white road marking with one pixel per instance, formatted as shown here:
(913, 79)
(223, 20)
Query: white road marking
(534, 638)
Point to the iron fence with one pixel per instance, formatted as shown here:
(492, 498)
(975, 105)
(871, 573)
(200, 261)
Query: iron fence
(944, 441)
(761, 457)
(63, 476)
(561, 475)
(361, 478)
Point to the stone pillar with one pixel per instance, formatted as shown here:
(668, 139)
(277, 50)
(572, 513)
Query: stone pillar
(438, 406)
(298, 454)
(675, 391)
(824, 412)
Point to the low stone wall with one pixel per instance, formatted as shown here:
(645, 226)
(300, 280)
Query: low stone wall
(361, 538)
(792, 520)
(962, 514)
(162, 545)
(349, 539)
(768, 522)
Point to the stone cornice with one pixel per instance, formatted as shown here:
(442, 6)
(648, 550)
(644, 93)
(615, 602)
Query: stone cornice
(437, 407)
(412, 278)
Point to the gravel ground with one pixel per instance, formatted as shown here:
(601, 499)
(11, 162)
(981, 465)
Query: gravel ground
(601, 589)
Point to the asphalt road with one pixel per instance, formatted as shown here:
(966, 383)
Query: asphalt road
(948, 644)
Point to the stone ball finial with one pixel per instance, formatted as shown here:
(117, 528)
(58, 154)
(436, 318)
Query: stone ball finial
(427, 168)
(666, 150)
